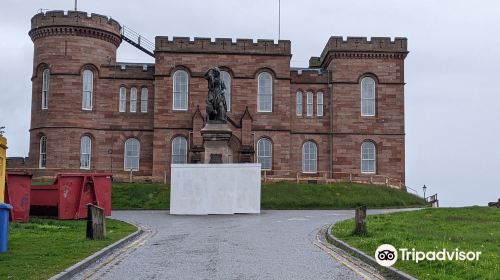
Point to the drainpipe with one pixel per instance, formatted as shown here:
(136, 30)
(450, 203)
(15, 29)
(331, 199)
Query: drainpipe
(330, 140)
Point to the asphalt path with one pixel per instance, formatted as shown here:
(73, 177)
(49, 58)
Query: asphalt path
(276, 244)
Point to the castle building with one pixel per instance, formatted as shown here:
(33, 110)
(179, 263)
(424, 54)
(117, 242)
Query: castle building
(343, 115)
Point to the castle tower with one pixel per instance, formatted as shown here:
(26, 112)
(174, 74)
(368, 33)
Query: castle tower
(67, 93)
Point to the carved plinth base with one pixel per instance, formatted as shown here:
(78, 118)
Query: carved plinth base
(216, 143)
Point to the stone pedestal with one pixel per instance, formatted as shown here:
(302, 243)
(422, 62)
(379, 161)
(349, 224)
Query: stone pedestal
(216, 143)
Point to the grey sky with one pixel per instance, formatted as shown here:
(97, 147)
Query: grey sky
(452, 98)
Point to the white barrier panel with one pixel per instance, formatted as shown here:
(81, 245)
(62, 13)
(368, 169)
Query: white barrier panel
(202, 189)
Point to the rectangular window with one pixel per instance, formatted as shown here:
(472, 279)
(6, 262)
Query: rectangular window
(88, 88)
(368, 97)
(299, 104)
(43, 152)
(45, 89)
(319, 101)
(309, 104)
(265, 93)
(144, 100)
(133, 100)
(85, 151)
(123, 100)
(180, 90)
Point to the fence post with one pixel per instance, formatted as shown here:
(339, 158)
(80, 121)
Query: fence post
(387, 181)
(96, 223)
(164, 177)
(360, 218)
(326, 178)
(130, 176)
(265, 176)
(297, 177)
(350, 177)
(371, 179)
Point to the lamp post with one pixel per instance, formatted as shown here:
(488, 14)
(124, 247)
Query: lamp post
(424, 188)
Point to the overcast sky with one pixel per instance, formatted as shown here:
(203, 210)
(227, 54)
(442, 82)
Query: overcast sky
(452, 97)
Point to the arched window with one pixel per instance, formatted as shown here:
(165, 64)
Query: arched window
(319, 104)
(298, 98)
(123, 100)
(265, 92)
(132, 152)
(367, 97)
(309, 157)
(180, 90)
(133, 100)
(43, 152)
(85, 152)
(88, 88)
(144, 100)
(45, 89)
(179, 150)
(309, 107)
(226, 77)
(368, 157)
(265, 153)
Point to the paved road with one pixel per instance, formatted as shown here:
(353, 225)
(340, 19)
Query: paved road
(272, 245)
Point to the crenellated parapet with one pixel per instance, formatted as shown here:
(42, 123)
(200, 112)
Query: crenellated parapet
(75, 23)
(309, 76)
(362, 47)
(222, 45)
(135, 71)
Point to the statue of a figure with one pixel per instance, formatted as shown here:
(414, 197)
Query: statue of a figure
(216, 102)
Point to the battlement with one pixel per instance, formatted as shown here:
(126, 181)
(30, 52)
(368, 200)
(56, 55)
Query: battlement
(75, 19)
(363, 44)
(122, 70)
(222, 45)
(308, 76)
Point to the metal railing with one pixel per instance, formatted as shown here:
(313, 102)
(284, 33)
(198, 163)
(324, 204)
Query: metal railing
(330, 177)
(138, 41)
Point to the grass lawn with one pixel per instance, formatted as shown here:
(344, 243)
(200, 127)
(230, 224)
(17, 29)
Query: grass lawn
(282, 195)
(468, 229)
(42, 248)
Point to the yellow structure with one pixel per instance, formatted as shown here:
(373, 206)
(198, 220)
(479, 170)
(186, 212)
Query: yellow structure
(3, 165)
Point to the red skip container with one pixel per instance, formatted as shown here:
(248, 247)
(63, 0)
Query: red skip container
(17, 194)
(68, 196)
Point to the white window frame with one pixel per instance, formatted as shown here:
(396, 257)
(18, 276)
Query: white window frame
(226, 77)
(178, 93)
(179, 150)
(264, 92)
(366, 157)
(309, 104)
(87, 89)
(308, 158)
(298, 101)
(368, 101)
(122, 105)
(319, 104)
(125, 156)
(45, 89)
(144, 100)
(85, 152)
(263, 153)
(42, 159)
(133, 100)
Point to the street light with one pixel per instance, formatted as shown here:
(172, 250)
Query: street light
(424, 188)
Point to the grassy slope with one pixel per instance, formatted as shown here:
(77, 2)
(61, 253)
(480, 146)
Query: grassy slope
(42, 248)
(469, 229)
(283, 195)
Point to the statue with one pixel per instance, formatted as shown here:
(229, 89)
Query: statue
(216, 102)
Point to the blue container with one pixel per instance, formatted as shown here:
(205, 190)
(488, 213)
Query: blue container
(4, 226)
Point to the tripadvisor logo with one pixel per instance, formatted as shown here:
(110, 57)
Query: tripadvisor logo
(387, 255)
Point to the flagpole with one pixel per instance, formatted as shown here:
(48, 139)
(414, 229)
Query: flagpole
(279, 19)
